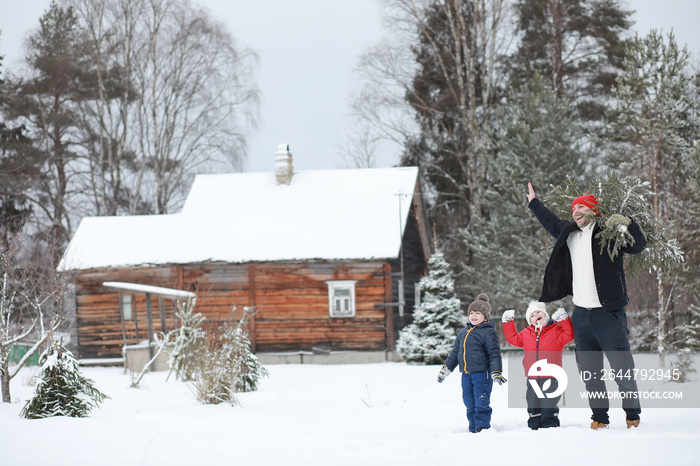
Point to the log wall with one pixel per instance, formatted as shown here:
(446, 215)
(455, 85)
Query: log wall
(291, 299)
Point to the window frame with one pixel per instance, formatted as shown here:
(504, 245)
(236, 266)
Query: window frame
(333, 286)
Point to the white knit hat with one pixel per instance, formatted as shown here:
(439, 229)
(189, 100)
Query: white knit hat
(536, 306)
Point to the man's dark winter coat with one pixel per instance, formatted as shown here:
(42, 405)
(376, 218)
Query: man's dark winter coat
(609, 273)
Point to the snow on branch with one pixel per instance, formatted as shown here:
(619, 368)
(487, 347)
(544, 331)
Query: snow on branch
(631, 197)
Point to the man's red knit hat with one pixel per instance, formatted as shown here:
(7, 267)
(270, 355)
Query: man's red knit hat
(589, 200)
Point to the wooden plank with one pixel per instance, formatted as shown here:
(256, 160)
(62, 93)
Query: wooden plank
(252, 335)
(161, 314)
(389, 311)
(311, 324)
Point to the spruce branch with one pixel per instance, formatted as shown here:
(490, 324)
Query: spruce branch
(630, 197)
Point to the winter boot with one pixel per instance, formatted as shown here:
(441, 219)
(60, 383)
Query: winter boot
(632, 423)
(599, 425)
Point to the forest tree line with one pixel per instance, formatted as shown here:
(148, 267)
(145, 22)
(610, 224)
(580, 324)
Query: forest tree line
(121, 102)
(115, 107)
(118, 105)
(488, 95)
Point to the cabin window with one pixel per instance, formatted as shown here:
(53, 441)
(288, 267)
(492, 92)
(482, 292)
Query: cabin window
(126, 306)
(341, 298)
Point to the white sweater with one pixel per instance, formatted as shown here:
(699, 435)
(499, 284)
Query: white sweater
(585, 293)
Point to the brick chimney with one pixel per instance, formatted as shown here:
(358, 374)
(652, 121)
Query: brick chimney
(283, 164)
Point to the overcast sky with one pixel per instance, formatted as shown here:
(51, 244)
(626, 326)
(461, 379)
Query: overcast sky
(308, 50)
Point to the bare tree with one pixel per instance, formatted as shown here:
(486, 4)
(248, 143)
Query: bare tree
(441, 70)
(360, 147)
(173, 94)
(123, 102)
(196, 98)
(106, 118)
(386, 71)
(31, 295)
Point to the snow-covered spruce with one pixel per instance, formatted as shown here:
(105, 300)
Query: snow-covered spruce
(61, 390)
(436, 321)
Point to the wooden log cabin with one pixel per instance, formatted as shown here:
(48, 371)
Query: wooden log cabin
(329, 259)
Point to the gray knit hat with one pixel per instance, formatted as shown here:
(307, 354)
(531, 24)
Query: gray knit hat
(481, 305)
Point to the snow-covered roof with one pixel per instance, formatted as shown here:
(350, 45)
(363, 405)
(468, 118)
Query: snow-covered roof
(243, 217)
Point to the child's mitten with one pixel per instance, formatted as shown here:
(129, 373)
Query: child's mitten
(559, 315)
(444, 372)
(508, 316)
(498, 378)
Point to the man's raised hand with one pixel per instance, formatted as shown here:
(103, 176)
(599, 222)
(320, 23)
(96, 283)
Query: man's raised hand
(530, 193)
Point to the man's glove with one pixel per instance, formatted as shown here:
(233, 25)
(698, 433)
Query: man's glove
(559, 315)
(621, 221)
(498, 378)
(508, 316)
(444, 372)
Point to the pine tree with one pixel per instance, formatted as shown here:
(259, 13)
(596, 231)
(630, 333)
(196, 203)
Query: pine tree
(683, 365)
(436, 320)
(47, 101)
(689, 237)
(687, 335)
(537, 140)
(577, 45)
(62, 390)
(454, 89)
(654, 122)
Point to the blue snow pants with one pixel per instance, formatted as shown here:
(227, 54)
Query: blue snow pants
(476, 394)
(598, 332)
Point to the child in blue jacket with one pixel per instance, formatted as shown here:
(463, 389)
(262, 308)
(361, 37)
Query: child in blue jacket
(477, 352)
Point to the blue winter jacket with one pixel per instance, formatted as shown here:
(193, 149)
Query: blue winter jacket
(476, 349)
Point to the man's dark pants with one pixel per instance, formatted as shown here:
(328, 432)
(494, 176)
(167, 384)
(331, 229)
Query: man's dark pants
(598, 332)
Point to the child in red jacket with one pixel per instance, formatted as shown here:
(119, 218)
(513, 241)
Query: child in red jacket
(542, 339)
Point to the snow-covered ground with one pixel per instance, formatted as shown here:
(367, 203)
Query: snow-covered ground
(367, 414)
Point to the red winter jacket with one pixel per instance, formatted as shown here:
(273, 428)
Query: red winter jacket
(547, 344)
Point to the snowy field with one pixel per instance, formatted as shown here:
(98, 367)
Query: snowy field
(368, 414)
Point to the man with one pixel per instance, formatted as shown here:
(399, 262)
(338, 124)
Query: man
(578, 267)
